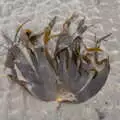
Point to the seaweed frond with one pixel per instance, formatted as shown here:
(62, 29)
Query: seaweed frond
(18, 29)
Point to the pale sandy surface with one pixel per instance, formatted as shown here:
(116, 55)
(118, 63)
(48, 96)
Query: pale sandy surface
(16, 104)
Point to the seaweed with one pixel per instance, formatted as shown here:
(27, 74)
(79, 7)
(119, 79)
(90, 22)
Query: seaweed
(71, 63)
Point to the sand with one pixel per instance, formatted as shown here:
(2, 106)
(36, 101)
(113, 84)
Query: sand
(16, 104)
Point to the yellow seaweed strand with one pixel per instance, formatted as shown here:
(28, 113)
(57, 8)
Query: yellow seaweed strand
(94, 49)
(47, 33)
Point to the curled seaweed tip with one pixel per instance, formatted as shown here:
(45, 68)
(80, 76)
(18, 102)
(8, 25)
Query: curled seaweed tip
(18, 29)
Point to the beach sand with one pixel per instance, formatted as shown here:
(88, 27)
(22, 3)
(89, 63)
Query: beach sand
(17, 104)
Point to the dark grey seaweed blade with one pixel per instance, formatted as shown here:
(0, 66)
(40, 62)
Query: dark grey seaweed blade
(51, 61)
(9, 59)
(28, 73)
(70, 76)
(103, 38)
(34, 59)
(95, 85)
(61, 65)
(64, 40)
(43, 93)
(9, 63)
(83, 29)
(81, 23)
(42, 57)
(77, 79)
(24, 67)
(52, 22)
(43, 81)
(47, 75)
